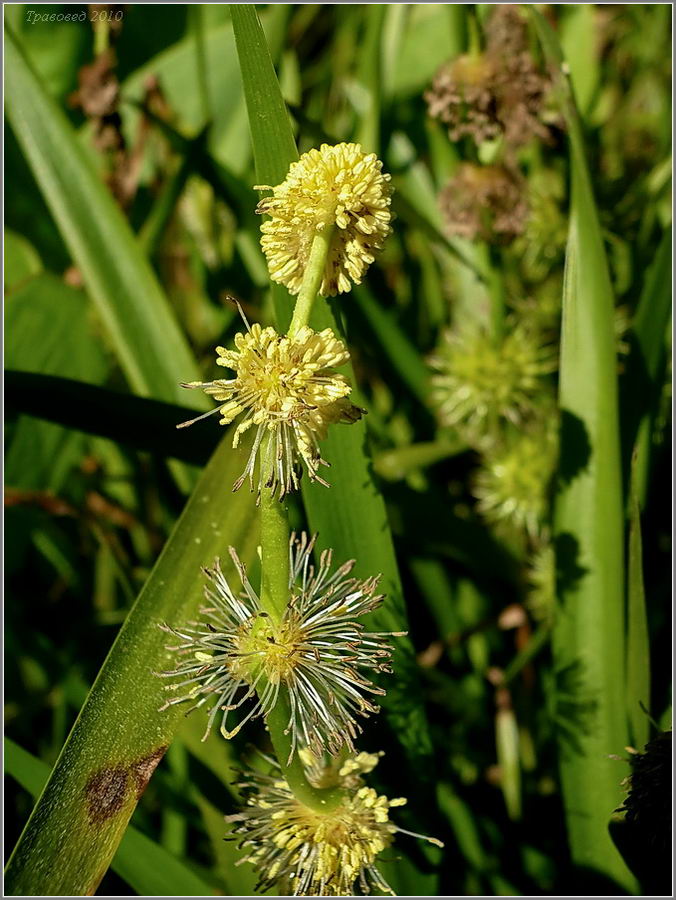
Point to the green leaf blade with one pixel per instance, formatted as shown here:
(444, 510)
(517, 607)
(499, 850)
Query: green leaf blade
(120, 734)
(145, 865)
(589, 632)
(152, 350)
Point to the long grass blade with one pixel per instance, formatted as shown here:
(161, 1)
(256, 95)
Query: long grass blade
(145, 865)
(589, 634)
(120, 736)
(638, 641)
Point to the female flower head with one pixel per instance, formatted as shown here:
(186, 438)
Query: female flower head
(479, 382)
(289, 392)
(317, 854)
(318, 655)
(513, 486)
(340, 188)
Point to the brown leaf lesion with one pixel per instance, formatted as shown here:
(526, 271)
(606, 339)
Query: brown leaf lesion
(107, 790)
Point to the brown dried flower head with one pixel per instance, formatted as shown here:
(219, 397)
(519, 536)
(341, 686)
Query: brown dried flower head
(463, 98)
(485, 202)
(499, 92)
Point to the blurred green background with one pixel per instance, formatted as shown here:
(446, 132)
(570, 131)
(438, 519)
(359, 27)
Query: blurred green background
(93, 486)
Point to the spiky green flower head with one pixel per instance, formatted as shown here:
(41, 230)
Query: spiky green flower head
(318, 655)
(288, 390)
(542, 246)
(481, 383)
(513, 484)
(307, 853)
(338, 187)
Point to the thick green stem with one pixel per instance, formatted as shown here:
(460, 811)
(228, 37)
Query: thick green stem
(318, 799)
(101, 35)
(312, 279)
(274, 593)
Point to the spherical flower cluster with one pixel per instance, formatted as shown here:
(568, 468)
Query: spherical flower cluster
(307, 853)
(486, 202)
(289, 391)
(499, 92)
(318, 655)
(513, 485)
(480, 382)
(340, 188)
(462, 97)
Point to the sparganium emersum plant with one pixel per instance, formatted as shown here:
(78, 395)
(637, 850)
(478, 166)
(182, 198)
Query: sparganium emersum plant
(318, 655)
(335, 201)
(481, 382)
(295, 651)
(288, 390)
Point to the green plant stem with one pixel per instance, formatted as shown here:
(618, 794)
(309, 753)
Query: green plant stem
(318, 799)
(474, 34)
(101, 36)
(537, 643)
(312, 279)
(496, 290)
(274, 595)
(274, 592)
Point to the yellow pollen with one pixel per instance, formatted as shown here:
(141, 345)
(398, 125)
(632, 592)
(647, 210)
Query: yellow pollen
(336, 186)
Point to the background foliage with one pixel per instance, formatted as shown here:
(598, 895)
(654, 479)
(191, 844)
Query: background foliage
(129, 224)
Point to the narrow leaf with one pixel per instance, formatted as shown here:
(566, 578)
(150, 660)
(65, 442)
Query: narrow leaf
(133, 421)
(589, 633)
(638, 643)
(145, 865)
(120, 736)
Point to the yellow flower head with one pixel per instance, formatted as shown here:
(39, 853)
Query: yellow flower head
(288, 390)
(317, 854)
(337, 186)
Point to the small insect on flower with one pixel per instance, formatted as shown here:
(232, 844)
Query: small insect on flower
(341, 188)
(318, 655)
(480, 382)
(307, 853)
(289, 391)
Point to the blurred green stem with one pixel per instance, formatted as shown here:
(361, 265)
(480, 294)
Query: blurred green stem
(474, 48)
(201, 60)
(101, 34)
(496, 290)
(399, 462)
(312, 279)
